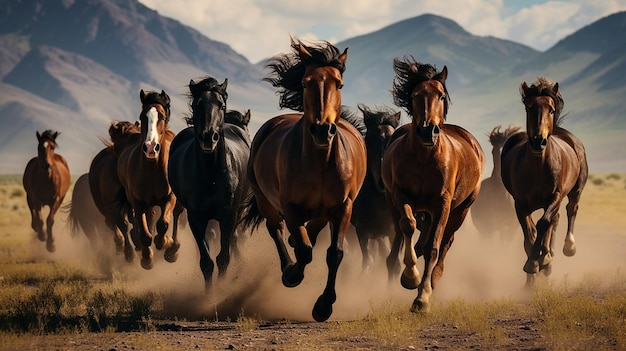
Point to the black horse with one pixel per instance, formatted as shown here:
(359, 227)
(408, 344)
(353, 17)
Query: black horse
(207, 171)
(371, 216)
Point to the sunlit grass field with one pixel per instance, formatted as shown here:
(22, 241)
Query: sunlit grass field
(39, 295)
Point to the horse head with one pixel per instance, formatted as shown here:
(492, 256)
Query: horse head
(543, 104)
(45, 148)
(239, 119)
(380, 126)
(422, 91)
(122, 133)
(208, 111)
(155, 115)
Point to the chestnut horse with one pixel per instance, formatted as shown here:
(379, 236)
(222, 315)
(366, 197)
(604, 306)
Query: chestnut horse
(306, 169)
(540, 167)
(431, 171)
(207, 171)
(46, 181)
(142, 170)
(371, 216)
(493, 211)
(106, 187)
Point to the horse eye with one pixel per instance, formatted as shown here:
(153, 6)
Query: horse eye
(340, 85)
(443, 97)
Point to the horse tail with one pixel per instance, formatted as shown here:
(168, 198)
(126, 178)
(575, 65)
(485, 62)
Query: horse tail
(251, 217)
(72, 219)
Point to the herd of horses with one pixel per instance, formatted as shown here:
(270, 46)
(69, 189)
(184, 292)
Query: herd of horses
(321, 165)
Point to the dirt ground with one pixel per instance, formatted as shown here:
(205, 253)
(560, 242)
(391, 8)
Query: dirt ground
(476, 270)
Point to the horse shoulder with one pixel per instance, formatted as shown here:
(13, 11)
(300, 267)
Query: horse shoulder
(467, 142)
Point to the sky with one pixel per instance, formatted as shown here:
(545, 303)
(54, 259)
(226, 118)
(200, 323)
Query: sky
(259, 29)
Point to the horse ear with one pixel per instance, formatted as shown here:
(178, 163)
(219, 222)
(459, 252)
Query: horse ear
(343, 57)
(142, 96)
(396, 117)
(225, 84)
(246, 117)
(555, 88)
(54, 136)
(303, 52)
(443, 75)
(137, 124)
(165, 97)
(38, 135)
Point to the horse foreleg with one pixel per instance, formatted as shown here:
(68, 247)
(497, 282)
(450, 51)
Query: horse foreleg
(50, 222)
(334, 255)
(541, 249)
(530, 236)
(569, 247)
(431, 256)
(198, 224)
(171, 253)
(227, 230)
(294, 274)
(36, 219)
(407, 225)
(141, 221)
(161, 241)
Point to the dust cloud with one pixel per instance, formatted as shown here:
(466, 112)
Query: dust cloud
(476, 269)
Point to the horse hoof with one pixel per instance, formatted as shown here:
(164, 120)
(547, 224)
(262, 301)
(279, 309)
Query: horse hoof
(547, 269)
(569, 251)
(531, 266)
(171, 255)
(41, 237)
(51, 248)
(545, 260)
(129, 256)
(322, 310)
(420, 306)
(146, 263)
(292, 276)
(409, 280)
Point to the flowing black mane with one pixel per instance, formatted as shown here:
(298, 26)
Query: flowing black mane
(409, 72)
(379, 116)
(545, 87)
(196, 89)
(49, 134)
(352, 116)
(288, 70)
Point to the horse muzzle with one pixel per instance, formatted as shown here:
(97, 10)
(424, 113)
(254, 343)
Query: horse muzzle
(208, 141)
(428, 134)
(537, 144)
(151, 149)
(323, 134)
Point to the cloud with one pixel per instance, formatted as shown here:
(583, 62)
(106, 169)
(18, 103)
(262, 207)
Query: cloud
(259, 29)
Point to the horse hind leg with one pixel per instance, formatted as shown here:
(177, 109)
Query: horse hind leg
(198, 224)
(141, 222)
(37, 221)
(171, 253)
(49, 223)
(410, 276)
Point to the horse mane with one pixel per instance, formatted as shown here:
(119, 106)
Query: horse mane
(544, 86)
(288, 69)
(207, 83)
(352, 117)
(153, 97)
(380, 115)
(409, 73)
(498, 137)
(51, 135)
(237, 118)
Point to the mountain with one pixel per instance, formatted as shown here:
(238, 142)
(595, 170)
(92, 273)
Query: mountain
(86, 61)
(75, 66)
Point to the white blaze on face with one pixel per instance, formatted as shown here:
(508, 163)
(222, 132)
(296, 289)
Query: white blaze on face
(152, 137)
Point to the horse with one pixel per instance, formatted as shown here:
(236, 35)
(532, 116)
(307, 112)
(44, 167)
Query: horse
(106, 188)
(83, 214)
(371, 216)
(46, 181)
(142, 170)
(431, 171)
(493, 211)
(306, 168)
(207, 171)
(540, 167)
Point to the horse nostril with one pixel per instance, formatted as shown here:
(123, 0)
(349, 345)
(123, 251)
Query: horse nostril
(215, 137)
(144, 147)
(436, 130)
(332, 130)
(157, 147)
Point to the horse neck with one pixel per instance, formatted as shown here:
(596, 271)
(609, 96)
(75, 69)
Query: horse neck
(496, 153)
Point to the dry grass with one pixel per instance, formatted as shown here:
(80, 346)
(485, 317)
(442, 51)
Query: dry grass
(39, 295)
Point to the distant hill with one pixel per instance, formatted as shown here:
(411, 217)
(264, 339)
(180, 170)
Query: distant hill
(78, 75)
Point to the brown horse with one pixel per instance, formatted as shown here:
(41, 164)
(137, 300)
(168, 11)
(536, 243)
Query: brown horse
(431, 171)
(493, 211)
(307, 169)
(46, 181)
(106, 188)
(540, 167)
(142, 170)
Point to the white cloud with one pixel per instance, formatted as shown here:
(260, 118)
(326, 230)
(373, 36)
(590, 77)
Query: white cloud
(260, 28)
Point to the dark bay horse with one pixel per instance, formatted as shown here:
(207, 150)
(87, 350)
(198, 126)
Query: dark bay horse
(431, 171)
(207, 171)
(371, 216)
(540, 167)
(106, 188)
(306, 169)
(493, 212)
(83, 214)
(142, 170)
(46, 180)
